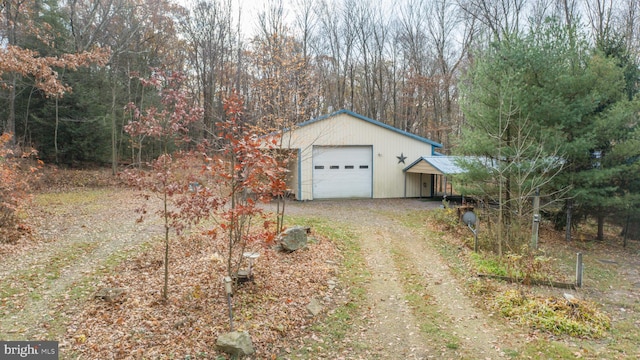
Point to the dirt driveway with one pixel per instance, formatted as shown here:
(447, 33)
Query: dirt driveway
(41, 280)
(393, 329)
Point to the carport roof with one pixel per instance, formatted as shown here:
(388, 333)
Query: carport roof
(438, 165)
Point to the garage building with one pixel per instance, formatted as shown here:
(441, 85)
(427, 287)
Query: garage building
(347, 155)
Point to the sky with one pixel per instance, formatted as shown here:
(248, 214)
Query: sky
(250, 10)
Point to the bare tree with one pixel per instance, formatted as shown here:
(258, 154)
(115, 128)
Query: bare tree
(213, 42)
(16, 20)
(630, 16)
(451, 38)
(140, 35)
(435, 38)
(502, 18)
(335, 52)
(600, 15)
(413, 39)
(305, 22)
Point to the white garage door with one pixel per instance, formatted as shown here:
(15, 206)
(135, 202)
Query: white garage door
(342, 172)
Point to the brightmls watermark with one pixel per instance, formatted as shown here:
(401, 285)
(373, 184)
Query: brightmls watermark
(31, 350)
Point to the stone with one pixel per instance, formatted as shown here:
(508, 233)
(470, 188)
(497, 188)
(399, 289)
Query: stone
(181, 323)
(331, 284)
(314, 307)
(294, 238)
(571, 300)
(111, 295)
(236, 343)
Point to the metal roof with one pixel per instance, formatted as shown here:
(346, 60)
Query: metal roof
(447, 165)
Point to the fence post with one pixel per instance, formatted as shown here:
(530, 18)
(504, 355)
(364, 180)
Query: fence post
(579, 270)
(536, 220)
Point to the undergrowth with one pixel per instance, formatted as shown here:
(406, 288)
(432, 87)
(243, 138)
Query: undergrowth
(576, 318)
(524, 267)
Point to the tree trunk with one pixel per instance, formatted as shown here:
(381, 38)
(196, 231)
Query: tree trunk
(55, 133)
(114, 145)
(11, 118)
(165, 292)
(632, 229)
(600, 227)
(567, 235)
(10, 125)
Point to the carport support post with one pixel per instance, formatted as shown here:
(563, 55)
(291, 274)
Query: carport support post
(405, 184)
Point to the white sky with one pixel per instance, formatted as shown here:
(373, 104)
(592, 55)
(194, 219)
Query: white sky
(250, 10)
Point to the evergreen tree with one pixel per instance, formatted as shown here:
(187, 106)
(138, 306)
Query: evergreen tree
(544, 110)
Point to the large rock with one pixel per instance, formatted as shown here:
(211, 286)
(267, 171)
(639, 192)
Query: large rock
(294, 238)
(236, 343)
(111, 295)
(314, 307)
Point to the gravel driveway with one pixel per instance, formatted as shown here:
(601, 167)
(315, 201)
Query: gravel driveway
(393, 330)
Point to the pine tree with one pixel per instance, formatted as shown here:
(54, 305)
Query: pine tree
(544, 110)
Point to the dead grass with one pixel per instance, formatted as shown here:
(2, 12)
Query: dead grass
(52, 178)
(610, 296)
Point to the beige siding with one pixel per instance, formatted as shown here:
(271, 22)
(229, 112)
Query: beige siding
(418, 185)
(346, 130)
(423, 167)
(292, 177)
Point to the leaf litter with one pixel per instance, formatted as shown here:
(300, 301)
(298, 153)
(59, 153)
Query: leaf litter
(272, 308)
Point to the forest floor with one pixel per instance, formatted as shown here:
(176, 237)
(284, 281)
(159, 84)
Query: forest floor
(410, 303)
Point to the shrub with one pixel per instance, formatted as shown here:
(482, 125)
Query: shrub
(488, 264)
(559, 316)
(16, 171)
(445, 217)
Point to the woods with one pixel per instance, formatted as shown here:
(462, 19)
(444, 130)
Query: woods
(566, 73)
(546, 110)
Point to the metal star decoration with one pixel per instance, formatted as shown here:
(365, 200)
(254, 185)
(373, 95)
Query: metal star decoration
(401, 158)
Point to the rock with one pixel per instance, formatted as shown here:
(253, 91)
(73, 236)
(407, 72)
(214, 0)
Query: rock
(571, 300)
(279, 328)
(331, 284)
(110, 294)
(314, 307)
(236, 343)
(294, 238)
(181, 323)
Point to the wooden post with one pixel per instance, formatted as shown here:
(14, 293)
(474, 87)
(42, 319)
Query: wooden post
(475, 235)
(579, 270)
(228, 289)
(536, 220)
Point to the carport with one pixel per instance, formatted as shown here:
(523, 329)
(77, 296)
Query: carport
(435, 174)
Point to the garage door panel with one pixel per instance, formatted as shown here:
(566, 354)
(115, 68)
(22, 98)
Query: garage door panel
(342, 172)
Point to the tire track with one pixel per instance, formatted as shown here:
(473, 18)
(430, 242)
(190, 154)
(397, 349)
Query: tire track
(102, 225)
(394, 330)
